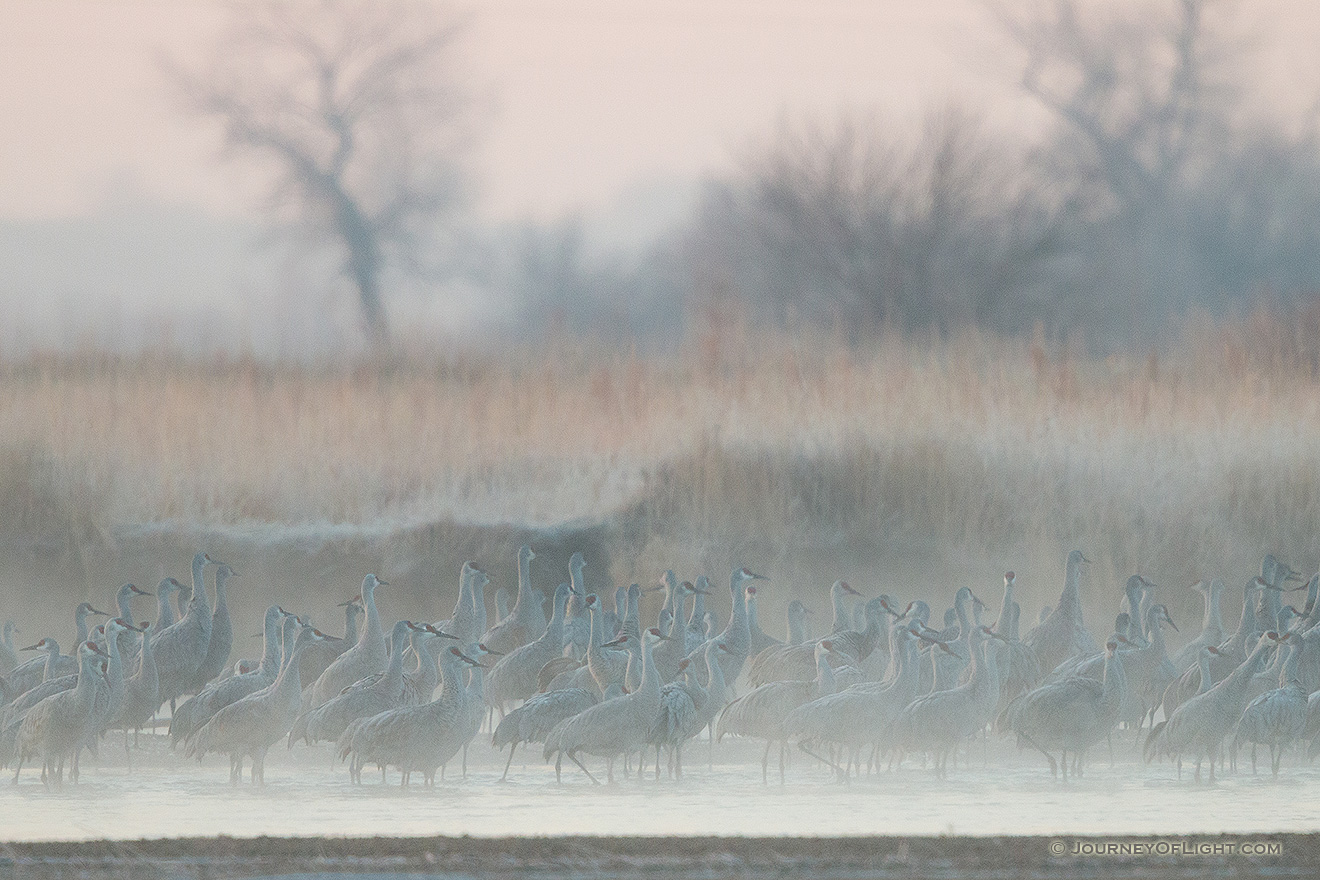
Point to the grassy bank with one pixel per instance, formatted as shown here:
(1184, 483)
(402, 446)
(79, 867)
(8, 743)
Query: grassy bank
(912, 460)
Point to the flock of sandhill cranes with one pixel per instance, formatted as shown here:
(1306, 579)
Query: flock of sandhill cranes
(591, 681)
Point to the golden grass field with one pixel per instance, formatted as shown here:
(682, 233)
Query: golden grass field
(907, 460)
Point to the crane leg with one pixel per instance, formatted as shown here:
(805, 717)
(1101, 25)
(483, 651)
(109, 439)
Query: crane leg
(574, 758)
(783, 747)
(765, 763)
(512, 749)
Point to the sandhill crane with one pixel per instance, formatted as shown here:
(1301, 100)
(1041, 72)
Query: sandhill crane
(686, 707)
(760, 712)
(362, 699)
(1073, 713)
(613, 727)
(1212, 626)
(1063, 634)
(526, 621)
(669, 652)
(197, 711)
(128, 645)
(516, 675)
(53, 729)
(318, 656)
(181, 647)
(1147, 669)
(1276, 718)
(861, 714)
(29, 674)
(736, 636)
(222, 634)
(1199, 725)
(939, 721)
(797, 662)
(139, 704)
(250, 726)
(606, 666)
(413, 738)
(359, 661)
(533, 720)
(1231, 652)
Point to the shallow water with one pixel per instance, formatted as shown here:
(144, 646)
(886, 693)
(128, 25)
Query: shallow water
(168, 796)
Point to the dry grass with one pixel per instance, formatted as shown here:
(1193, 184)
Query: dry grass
(1194, 462)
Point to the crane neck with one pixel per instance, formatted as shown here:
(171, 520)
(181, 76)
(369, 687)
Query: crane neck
(841, 617)
(477, 593)
(523, 600)
(85, 689)
(451, 679)
(286, 642)
(1070, 600)
(1204, 662)
(221, 599)
(796, 632)
(1241, 677)
(52, 658)
(270, 643)
(398, 639)
(826, 682)
(1247, 622)
(1115, 681)
(1289, 671)
(714, 675)
(676, 622)
(372, 635)
(650, 685)
(164, 609)
(698, 610)
(1005, 610)
(1212, 617)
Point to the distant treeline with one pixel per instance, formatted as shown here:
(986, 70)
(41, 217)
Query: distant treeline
(1156, 190)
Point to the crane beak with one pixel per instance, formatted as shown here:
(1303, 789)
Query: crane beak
(36, 647)
(1169, 621)
(441, 633)
(615, 643)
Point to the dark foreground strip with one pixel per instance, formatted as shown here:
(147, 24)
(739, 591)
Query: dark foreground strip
(543, 858)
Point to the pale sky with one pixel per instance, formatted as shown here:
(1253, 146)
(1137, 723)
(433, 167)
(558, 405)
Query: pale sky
(591, 96)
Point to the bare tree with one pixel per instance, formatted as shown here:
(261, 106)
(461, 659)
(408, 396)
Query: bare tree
(852, 223)
(357, 107)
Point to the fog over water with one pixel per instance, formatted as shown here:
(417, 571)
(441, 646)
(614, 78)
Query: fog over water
(1014, 794)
